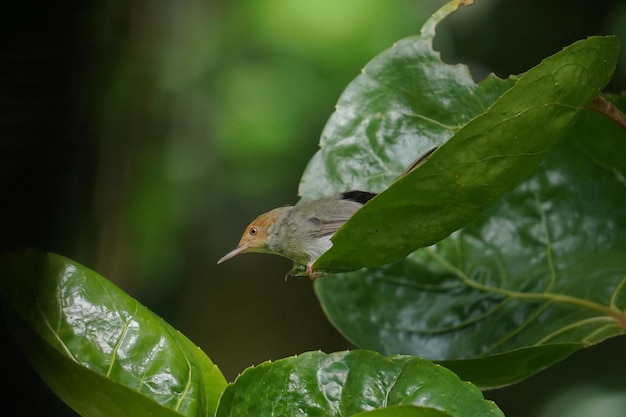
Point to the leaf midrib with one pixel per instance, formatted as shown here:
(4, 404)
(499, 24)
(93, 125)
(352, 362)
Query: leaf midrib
(536, 296)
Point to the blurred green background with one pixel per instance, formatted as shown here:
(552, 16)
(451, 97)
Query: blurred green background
(140, 138)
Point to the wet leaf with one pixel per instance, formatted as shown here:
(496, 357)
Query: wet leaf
(350, 383)
(537, 276)
(101, 351)
(491, 137)
(404, 411)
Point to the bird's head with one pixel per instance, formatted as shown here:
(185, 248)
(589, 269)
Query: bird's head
(257, 235)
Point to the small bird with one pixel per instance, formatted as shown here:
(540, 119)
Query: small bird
(302, 232)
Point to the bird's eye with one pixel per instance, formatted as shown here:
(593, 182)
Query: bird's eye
(253, 231)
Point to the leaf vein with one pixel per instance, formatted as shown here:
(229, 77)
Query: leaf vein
(519, 328)
(548, 243)
(571, 326)
(55, 333)
(618, 289)
(189, 375)
(619, 176)
(118, 344)
(554, 297)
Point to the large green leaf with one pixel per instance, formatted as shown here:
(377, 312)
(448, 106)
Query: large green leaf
(404, 102)
(404, 411)
(101, 351)
(492, 136)
(537, 276)
(349, 383)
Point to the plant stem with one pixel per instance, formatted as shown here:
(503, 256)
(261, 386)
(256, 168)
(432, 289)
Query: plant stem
(604, 106)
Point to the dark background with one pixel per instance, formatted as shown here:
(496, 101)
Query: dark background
(139, 138)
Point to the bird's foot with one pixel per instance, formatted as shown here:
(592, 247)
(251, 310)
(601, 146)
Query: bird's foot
(315, 274)
(305, 271)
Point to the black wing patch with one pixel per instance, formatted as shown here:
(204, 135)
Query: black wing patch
(418, 161)
(358, 196)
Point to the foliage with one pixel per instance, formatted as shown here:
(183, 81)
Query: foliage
(98, 348)
(347, 383)
(482, 150)
(537, 276)
(506, 283)
(104, 354)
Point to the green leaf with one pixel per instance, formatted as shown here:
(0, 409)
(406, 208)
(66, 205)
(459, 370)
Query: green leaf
(404, 411)
(537, 276)
(101, 351)
(405, 102)
(502, 369)
(349, 383)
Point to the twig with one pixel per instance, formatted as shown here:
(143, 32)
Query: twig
(604, 106)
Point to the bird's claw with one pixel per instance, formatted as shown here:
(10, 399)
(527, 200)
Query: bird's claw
(305, 271)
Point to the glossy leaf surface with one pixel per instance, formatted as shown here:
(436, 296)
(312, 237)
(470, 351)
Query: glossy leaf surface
(404, 102)
(101, 351)
(404, 411)
(349, 383)
(537, 276)
(491, 137)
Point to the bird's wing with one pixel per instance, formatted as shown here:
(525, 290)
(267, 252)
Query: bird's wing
(422, 158)
(320, 228)
(332, 212)
(357, 196)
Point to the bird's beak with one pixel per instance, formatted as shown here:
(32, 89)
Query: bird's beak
(239, 249)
